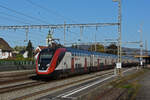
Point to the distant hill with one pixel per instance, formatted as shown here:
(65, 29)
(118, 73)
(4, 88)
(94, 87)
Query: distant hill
(128, 51)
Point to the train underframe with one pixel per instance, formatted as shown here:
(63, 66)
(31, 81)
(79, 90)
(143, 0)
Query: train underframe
(57, 74)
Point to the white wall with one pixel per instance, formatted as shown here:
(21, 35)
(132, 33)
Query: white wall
(25, 55)
(4, 55)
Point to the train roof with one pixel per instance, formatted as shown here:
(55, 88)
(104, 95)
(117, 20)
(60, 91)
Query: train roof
(73, 50)
(89, 52)
(96, 53)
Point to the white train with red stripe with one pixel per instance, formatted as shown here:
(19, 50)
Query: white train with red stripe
(68, 61)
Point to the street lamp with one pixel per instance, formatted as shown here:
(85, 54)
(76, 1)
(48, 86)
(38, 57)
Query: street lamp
(118, 65)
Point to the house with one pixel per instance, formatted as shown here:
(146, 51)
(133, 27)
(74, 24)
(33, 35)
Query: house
(38, 49)
(5, 49)
(24, 53)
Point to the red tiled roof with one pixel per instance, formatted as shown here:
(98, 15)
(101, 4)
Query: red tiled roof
(42, 47)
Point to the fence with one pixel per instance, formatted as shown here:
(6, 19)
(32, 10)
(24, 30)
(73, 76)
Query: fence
(16, 65)
(17, 62)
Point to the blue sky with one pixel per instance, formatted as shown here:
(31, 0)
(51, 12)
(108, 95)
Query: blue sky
(134, 13)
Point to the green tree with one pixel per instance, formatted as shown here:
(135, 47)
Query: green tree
(111, 49)
(124, 52)
(19, 48)
(74, 46)
(30, 49)
(97, 47)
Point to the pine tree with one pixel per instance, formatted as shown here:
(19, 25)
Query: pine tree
(30, 49)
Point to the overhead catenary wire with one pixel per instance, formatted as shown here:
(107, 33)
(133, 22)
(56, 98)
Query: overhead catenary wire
(14, 20)
(18, 18)
(49, 10)
(20, 13)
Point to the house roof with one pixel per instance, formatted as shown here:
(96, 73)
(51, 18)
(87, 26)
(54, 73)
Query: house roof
(4, 45)
(42, 47)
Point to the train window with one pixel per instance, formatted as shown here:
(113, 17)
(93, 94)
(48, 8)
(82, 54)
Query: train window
(72, 54)
(46, 57)
(101, 64)
(105, 61)
(77, 54)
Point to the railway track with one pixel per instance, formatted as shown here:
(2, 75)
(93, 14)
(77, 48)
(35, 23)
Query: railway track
(12, 77)
(11, 80)
(61, 86)
(35, 83)
(15, 73)
(19, 87)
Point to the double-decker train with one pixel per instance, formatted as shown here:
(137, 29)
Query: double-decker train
(62, 62)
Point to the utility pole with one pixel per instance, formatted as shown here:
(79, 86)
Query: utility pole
(141, 47)
(146, 52)
(119, 61)
(81, 33)
(95, 43)
(146, 48)
(27, 31)
(64, 33)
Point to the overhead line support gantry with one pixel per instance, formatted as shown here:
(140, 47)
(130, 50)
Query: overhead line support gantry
(15, 27)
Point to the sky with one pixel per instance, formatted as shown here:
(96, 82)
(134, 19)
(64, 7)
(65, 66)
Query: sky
(135, 13)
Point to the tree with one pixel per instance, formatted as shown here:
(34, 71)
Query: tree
(19, 48)
(74, 46)
(124, 52)
(30, 49)
(112, 49)
(97, 47)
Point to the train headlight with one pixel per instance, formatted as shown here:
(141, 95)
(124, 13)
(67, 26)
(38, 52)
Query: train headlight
(48, 65)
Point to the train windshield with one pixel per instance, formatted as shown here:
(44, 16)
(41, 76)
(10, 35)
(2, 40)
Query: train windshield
(46, 57)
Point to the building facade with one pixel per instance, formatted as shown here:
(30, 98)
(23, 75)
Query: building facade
(5, 49)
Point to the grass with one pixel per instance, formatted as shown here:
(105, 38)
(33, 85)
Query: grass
(129, 83)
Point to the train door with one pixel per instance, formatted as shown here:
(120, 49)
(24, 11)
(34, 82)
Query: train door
(72, 64)
(85, 65)
(91, 62)
(98, 64)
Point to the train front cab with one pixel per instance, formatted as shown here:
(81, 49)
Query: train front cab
(48, 59)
